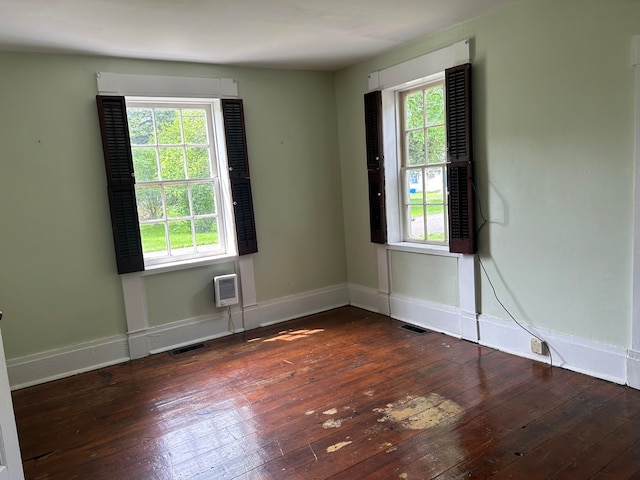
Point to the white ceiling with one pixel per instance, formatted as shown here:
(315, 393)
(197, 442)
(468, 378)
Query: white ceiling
(305, 34)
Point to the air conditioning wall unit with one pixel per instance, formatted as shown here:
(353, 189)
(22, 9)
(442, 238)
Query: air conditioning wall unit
(225, 289)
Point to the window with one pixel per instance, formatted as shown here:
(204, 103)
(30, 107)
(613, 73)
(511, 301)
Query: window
(422, 191)
(178, 179)
(182, 202)
(423, 164)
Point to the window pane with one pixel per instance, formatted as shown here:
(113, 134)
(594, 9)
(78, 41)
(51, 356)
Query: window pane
(180, 234)
(168, 126)
(177, 201)
(172, 163)
(198, 162)
(149, 201)
(435, 105)
(435, 185)
(140, 126)
(437, 145)
(203, 199)
(435, 224)
(415, 147)
(207, 233)
(414, 186)
(145, 164)
(194, 124)
(414, 107)
(153, 238)
(416, 222)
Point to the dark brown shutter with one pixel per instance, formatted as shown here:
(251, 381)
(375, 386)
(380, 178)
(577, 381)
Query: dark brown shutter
(120, 183)
(375, 166)
(462, 238)
(233, 113)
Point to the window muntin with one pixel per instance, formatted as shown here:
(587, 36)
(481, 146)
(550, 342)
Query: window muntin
(423, 164)
(178, 192)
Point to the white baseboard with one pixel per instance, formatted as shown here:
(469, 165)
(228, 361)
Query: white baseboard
(633, 369)
(367, 299)
(193, 330)
(303, 304)
(573, 353)
(440, 318)
(64, 362)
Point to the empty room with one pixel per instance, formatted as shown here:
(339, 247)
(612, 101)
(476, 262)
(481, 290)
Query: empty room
(292, 239)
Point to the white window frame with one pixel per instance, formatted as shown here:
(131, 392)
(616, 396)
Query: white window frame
(425, 69)
(403, 202)
(219, 177)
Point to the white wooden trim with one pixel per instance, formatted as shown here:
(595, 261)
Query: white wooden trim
(633, 369)
(9, 446)
(467, 292)
(384, 280)
(437, 317)
(193, 330)
(365, 298)
(135, 305)
(416, 69)
(110, 83)
(573, 353)
(64, 362)
(303, 304)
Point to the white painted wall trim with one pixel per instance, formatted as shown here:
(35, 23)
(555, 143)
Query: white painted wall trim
(185, 332)
(303, 304)
(573, 353)
(365, 298)
(632, 367)
(10, 458)
(433, 316)
(65, 362)
(110, 83)
(418, 68)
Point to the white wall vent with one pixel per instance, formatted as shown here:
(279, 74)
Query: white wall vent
(226, 289)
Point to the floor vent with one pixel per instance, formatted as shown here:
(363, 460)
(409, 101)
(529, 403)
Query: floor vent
(189, 348)
(414, 329)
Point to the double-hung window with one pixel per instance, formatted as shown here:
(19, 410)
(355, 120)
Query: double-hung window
(183, 203)
(177, 178)
(423, 164)
(419, 152)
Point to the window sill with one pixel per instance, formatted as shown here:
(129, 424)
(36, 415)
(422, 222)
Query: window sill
(187, 264)
(424, 249)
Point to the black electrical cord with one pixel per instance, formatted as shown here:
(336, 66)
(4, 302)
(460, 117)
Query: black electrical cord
(493, 288)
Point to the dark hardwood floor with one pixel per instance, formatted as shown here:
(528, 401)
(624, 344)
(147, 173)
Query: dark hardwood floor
(345, 394)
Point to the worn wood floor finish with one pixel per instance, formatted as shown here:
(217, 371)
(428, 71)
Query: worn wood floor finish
(345, 394)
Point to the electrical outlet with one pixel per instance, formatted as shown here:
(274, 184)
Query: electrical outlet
(538, 346)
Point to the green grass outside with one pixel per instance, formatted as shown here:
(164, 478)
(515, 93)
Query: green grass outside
(153, 238)
(416, 210)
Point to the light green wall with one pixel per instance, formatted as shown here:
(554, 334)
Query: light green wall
(59, 285)
(183, 294)
(430, 278)
(553, 113)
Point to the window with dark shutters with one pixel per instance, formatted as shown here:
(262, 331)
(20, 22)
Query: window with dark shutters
(375, 166)
(121, 181)
(462, 237)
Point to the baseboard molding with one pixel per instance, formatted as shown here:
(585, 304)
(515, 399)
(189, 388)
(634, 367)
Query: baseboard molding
(185, 332)
(633, 369)
(440, 318)
(368, 299)
(303, 304)
(573, 353)
(65, 362)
